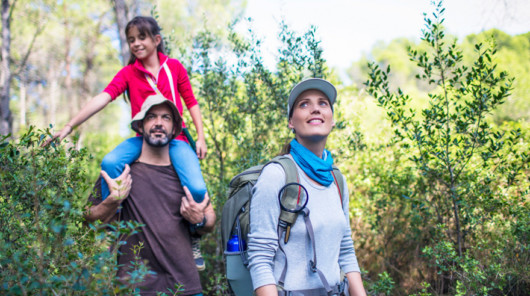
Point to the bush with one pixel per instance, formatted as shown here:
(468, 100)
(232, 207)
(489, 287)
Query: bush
(470, 188)
(45, 248)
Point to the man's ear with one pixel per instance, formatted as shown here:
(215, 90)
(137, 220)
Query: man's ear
(141, 128)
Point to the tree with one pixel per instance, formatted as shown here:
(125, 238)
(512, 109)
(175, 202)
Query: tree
(123, 14)
(455, 149)
(6, 119)
(244, 109)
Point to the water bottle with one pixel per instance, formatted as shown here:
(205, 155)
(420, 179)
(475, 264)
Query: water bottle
(233, 244)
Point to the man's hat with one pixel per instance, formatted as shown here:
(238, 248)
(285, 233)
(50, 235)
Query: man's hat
(312, 83)
(150, 102)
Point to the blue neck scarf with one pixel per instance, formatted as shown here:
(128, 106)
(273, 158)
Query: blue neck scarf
(315, 167)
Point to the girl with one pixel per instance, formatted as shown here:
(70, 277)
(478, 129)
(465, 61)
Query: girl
(279, 268)
(149, 72)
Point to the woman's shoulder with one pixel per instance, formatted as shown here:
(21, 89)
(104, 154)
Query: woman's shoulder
(273, 170)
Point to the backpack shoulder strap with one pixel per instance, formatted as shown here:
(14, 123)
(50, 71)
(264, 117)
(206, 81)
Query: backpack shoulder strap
(290, 194)
(339, 182)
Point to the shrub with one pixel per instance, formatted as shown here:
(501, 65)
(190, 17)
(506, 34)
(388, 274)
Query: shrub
(45, 248)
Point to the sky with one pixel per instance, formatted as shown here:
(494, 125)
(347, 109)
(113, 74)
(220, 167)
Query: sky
(349, 28)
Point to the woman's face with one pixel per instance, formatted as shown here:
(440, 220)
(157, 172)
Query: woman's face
(312, 117)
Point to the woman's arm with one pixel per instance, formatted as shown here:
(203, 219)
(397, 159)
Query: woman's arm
(92, 107)
(197, 121)
(268, 290)
(347, 257)
(355, 284)
(263, 236)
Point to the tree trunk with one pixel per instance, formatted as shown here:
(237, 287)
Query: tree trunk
(53, 95)
(6, 119)
(121, 11)
(70, 95)
(22, 86)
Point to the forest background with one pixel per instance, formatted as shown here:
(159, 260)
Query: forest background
(439, 179)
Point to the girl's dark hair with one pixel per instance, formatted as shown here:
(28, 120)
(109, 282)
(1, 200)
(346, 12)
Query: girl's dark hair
(148, 26)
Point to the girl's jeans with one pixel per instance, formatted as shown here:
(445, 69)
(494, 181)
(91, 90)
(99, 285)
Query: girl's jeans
(182, 157)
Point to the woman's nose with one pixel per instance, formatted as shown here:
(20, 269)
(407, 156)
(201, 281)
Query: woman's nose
(315, 108)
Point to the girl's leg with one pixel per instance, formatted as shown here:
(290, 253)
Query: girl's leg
(114, 162)
(186, 164)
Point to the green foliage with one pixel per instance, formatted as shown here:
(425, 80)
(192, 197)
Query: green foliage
(44, 246)
(402, 203)
(383, 286)
(469, 172)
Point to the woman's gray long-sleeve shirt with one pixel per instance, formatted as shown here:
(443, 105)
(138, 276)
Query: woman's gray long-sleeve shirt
(333, 243)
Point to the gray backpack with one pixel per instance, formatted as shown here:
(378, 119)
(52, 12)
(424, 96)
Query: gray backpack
(235, 218)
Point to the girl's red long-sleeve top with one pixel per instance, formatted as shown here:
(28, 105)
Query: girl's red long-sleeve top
(132, 79)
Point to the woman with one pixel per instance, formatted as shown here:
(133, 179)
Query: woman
(310, 111)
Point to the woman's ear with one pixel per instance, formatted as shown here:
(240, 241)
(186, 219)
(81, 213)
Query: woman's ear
(290, 124)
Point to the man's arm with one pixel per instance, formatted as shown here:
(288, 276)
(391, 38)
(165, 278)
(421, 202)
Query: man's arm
(195, 212)
(105, 210)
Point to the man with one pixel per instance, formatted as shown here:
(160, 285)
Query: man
(158, 200)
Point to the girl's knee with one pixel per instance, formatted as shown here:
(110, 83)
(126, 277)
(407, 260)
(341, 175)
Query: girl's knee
(110, 161)
(197, 190)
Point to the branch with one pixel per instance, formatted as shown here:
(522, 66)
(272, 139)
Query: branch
(11, 9)
(22, 64)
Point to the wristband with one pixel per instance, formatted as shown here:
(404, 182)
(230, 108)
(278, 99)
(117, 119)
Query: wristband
(200, 224)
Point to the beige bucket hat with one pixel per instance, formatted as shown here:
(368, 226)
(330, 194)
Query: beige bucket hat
(149, 103)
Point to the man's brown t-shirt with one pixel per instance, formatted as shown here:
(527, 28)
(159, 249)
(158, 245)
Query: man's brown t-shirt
(154, 200)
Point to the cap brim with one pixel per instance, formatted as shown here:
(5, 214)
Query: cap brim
(313, 83)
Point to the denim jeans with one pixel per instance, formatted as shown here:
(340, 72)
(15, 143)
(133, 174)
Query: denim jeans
(183, 158)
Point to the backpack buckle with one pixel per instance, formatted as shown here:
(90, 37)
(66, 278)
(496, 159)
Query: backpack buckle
(312, 266)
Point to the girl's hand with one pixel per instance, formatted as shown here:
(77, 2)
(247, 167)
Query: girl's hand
(60, 135)
(201, 148)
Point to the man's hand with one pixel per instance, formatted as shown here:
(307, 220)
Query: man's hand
(120, 187)
(191, 210)
(59, 135)
(119, 190)
(201, 149)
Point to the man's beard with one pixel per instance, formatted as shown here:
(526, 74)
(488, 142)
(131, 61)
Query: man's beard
(155, 141)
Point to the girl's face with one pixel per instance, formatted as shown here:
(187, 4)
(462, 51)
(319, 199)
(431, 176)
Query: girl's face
(142, 45)
(312, 117)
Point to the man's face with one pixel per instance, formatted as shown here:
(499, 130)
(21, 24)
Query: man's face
(157, 127)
